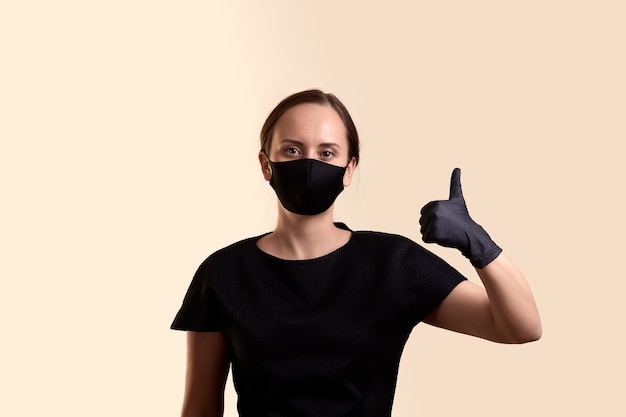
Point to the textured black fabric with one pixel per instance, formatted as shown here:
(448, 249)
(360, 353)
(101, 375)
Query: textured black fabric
(319, 337)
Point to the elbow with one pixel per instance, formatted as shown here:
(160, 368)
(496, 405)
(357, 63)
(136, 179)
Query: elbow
(527, 338)
(530, 333)
(538, 332)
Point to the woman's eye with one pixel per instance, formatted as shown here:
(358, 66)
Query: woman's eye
(292, 151)
(327, 154)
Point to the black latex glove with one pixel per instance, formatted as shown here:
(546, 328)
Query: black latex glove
(448, 223)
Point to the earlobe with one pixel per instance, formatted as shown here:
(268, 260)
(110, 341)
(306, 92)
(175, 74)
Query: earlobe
(347, 177)
(265, 166)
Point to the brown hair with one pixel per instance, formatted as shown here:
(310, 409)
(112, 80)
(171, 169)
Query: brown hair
(311, 96)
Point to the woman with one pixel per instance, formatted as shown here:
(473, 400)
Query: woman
(313, 316)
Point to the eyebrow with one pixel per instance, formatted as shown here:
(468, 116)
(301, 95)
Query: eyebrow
(321, 145)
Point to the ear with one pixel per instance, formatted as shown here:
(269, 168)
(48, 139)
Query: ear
(265, 166)
(347, 177)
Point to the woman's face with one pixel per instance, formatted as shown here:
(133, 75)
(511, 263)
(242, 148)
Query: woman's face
(311, 131)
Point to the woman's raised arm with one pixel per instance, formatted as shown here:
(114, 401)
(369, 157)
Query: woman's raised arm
(504, 311)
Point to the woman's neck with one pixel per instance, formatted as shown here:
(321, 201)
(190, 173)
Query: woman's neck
(304, 237)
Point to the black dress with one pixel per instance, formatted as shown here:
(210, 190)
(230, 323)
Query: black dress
(318, 337)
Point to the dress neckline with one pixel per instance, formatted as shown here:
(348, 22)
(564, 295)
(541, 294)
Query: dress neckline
(317, 258)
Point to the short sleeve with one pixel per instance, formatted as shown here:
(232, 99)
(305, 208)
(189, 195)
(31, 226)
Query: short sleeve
(434, 280)
(199, 311)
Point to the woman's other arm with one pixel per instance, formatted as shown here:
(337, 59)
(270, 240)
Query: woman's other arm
(207, 370)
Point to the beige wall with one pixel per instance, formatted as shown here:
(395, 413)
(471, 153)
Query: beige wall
(129, 138)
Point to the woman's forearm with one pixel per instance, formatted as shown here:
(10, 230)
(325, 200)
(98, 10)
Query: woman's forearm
(513, 307)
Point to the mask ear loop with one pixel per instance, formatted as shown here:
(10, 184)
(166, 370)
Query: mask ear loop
(349, 162)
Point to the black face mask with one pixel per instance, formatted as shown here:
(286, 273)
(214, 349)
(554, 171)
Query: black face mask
(306, 186)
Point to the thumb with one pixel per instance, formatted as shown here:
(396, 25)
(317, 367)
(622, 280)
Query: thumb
(455, 185)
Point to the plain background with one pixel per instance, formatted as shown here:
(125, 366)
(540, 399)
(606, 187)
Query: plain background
(129, 153)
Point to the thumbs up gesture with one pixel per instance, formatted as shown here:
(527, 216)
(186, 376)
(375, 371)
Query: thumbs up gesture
(448, 223)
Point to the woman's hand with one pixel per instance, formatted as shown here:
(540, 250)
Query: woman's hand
(448, 223)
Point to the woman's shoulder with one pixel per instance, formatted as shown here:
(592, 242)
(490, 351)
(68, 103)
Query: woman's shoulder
(233, 251)
(368, 234)
(376, 236)
(386, 243)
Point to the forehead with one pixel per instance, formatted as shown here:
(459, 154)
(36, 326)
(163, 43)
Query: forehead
(311, 121)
